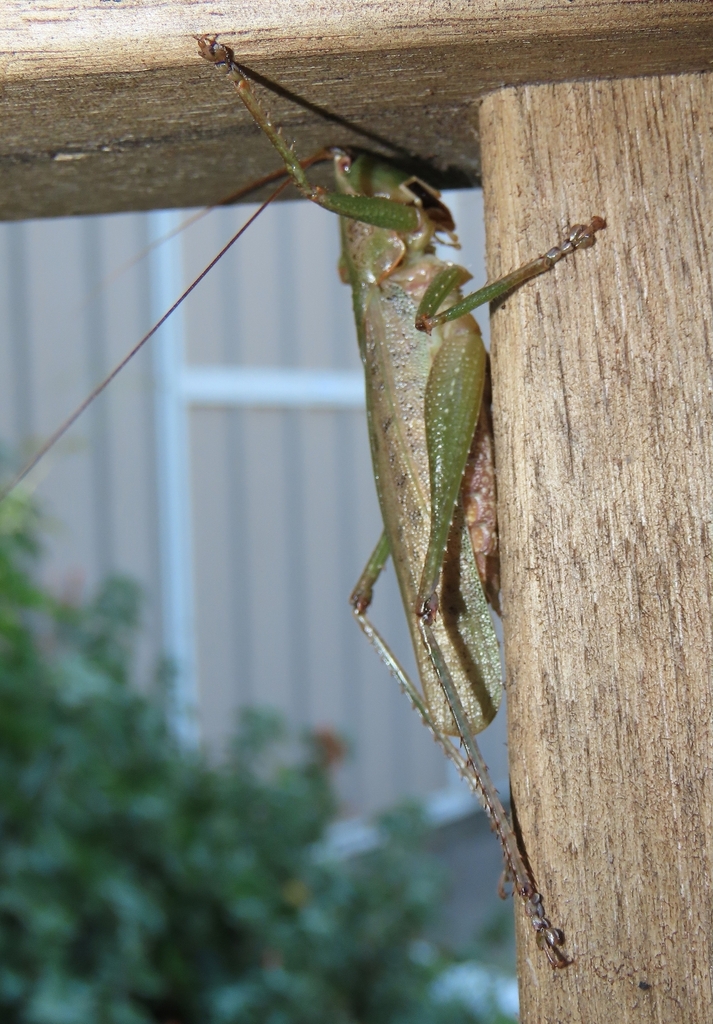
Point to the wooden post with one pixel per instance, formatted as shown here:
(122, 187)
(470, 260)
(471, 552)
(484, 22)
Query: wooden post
(603, 390)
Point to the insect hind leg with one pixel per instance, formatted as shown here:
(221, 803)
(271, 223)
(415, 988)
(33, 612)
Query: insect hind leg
(469, 761)
(549, 939)
(360, 600)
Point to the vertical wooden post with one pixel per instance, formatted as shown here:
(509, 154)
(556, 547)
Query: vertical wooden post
(603, 391)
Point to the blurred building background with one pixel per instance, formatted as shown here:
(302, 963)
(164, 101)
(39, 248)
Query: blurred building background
(227, 469)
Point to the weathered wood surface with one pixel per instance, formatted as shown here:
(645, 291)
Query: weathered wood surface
(106, 105)
(603, 377)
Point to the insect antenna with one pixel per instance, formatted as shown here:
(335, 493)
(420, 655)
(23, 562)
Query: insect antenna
(234, 197)
(95, 392)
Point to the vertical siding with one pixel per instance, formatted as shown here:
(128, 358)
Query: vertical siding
(56, 338)
(282, 501)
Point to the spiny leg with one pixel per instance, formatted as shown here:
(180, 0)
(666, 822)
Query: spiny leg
(360, 600)
(548, 938)
(375, 210)
(471, 767)
(581, 236)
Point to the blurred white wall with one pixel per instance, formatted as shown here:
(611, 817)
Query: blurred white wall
(272, 510)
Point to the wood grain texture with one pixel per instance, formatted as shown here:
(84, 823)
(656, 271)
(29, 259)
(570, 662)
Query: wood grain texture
(106, 105)
(603, 377)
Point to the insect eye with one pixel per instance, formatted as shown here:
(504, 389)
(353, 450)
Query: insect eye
(344, 164)
(430, 202)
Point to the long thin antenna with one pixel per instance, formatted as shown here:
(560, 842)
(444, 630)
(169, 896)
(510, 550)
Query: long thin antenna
(64, 427)
(232, 199)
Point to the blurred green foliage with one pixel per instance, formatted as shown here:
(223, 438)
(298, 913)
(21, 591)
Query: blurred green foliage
(139, 884)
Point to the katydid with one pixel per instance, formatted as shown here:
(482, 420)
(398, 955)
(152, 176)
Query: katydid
(426, 374)
(429, 424)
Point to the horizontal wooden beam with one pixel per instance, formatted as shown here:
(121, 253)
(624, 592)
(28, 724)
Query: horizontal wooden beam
(106, 104)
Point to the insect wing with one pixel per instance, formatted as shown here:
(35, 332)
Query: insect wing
(398, 361)
(452, 403)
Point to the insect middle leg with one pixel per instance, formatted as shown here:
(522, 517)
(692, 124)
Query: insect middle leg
(360, 600)
(469, 761)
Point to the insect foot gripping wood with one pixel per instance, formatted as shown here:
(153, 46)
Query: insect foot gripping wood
(426, 375)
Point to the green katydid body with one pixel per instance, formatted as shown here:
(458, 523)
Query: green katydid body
(389, 272)
(426, 370)
(426, 375)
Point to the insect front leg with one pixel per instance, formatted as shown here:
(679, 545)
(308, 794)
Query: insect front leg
(375, 210)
